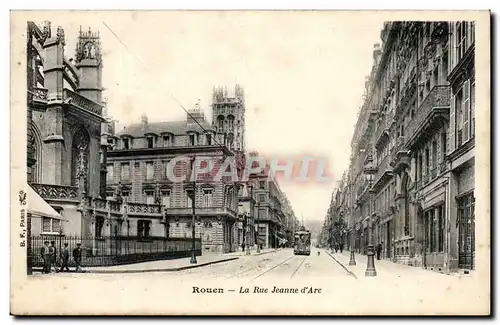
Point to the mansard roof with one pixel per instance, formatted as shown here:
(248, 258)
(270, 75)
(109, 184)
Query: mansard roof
(138, 130)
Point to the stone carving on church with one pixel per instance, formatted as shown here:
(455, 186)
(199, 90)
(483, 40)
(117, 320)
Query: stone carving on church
(60, 35)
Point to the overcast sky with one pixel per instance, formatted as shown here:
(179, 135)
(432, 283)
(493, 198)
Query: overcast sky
(303, 74)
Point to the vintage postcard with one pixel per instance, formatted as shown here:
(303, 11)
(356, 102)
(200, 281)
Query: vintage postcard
(250, 162)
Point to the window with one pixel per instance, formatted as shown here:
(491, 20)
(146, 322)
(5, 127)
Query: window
(434, 154)
(125, 172)
(149, 170)
(427, 164)
(444, 65)
(167, 140)
(443, 146)
(461, 39)
(262, 184)
(51, 225)
(143, 228)
(466, 111)
(126, 144)
(150, 199)
(189, 199)
(458, 117)
(473, 108)
(191, 139)
(165, 200)
(262, 197)
(99, 224)
(109, 175)
(209, 139)
(151, 142)
(207, 198)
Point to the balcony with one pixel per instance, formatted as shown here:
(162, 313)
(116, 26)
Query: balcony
(432, 113)
(383, 174)
(399, 156)
(82, 102)
(56, 192)
(143, 209)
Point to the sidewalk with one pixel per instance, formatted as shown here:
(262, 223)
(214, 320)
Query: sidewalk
(253, 252)
(384, 268)
(172, 265)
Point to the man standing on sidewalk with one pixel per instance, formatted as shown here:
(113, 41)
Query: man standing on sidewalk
(379, 250)
(77, 256)
(53, 256)
(45, 252)
(64, 258)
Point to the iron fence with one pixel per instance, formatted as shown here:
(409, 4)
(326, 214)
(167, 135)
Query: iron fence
(107, 251)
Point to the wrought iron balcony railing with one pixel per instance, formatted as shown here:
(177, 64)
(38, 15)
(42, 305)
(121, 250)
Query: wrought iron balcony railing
(436, 104)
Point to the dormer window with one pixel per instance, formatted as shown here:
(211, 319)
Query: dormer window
(209, 139)
(168, 139)
(126, 144)
(193, 139)
(151, 142)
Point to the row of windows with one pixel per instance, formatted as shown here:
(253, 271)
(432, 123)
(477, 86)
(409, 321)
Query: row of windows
(165, 141)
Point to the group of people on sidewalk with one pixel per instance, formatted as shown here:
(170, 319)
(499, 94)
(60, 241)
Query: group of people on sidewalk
(51, 262)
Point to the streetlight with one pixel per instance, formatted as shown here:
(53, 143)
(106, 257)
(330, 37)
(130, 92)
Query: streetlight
(249, 217)
(192, 194)
(370, 265)
(257, 228)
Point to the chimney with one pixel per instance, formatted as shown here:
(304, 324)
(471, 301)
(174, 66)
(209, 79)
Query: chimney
(144, 121)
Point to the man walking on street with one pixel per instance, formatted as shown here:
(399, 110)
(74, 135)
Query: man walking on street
(45, 252)
(77, 256)
(64, 258)
(379, 250)
(341, 247)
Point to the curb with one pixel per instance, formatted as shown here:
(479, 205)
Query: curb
(174, 269)
(343, 266)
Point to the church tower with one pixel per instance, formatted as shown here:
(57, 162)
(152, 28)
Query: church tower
(229, 116)
(89, 63)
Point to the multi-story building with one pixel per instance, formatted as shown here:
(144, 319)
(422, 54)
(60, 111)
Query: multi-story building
(412, 166)
(274, 215)
(138, 164)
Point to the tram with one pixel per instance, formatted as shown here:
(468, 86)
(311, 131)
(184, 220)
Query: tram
(302, 245)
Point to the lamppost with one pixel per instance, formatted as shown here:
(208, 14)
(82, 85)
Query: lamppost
(249, 217)
(192, 194)
(370, 265)
(257, 228)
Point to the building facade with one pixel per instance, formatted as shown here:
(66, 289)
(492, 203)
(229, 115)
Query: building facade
(412, 166)
(138, 164)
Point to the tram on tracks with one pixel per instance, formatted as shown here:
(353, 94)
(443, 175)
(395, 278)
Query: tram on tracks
(302, 245)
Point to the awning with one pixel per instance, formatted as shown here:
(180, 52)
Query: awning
(37, 206)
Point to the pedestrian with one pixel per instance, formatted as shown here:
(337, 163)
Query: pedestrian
(64, 258)
(53, 256)
(77, 256)
(45, 252)
(336, 248)
(379, 250)
(243, 247)
(341, 247)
